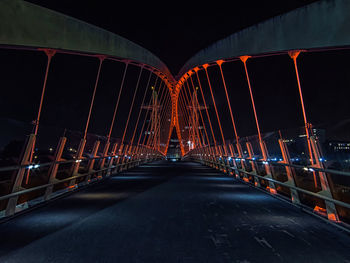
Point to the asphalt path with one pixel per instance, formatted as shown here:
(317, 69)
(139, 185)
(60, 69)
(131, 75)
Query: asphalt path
(170, 212)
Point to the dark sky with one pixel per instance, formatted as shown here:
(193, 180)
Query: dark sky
(174, 32)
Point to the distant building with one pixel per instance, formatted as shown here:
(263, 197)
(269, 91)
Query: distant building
(320, 134)
(338, 146)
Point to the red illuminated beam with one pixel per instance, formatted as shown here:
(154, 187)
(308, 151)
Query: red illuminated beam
(132, 105)
(206, 108)
(244, 60)
(117, 103)
(101, 58)
(205, 66)
(219, 62)
(140, 110)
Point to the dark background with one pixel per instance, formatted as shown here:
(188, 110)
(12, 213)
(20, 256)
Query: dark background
(174, 32)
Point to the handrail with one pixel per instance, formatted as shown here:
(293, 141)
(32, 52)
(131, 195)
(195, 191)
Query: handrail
(16, 167)
(335, 201)
(309, 167)
(4, 197)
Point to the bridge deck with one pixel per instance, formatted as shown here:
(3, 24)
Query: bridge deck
(171, 212)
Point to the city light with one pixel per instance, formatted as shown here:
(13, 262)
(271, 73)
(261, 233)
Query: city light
(33, 166)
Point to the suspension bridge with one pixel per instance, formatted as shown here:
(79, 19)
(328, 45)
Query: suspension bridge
(174, 185)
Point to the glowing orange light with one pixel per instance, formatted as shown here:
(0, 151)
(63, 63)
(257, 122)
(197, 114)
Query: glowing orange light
(205, 66)
(219, 62)
(333, 218)
(320, 210)
(215, 108)
(227, 99)
(244, 58)
(271, 190)
(245, 179)
(294, 53)
(72, 186)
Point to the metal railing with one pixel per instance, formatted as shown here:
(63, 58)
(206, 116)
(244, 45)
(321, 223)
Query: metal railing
(113, 164)
(284, 178)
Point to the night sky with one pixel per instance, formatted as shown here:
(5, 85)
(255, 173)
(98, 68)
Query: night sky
(173, 32)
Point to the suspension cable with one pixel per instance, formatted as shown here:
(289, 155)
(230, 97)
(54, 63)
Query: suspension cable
(294, 55)
(117, 103)
(49, 53)
(140, 110)
(244, 60)
(219, 62)
(162, 119)
(195, 115)
(205, 105)
(132, 105)
(101, 58)
(205, 66)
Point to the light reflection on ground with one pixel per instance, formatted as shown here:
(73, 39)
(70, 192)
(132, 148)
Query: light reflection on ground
(101, 196)
(138, 177)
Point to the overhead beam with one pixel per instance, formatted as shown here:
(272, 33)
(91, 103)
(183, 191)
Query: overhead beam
(323, 24)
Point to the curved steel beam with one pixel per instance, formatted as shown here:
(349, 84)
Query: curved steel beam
(324, 24)
(27, 25)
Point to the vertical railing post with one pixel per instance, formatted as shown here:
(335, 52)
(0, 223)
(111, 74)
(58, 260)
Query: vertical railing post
(253, 163)
(112, 159)
(54, 167)
(242, 160)
(104, 154)
(289, 170)
(90, 166)
(294, 55)
(120, 156)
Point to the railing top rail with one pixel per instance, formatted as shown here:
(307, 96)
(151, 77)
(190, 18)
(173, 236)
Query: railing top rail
(28, 190)
(309, 168)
